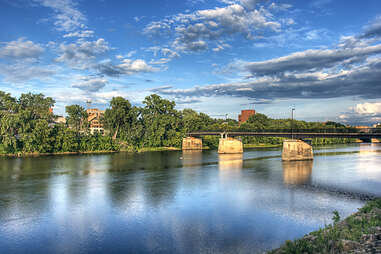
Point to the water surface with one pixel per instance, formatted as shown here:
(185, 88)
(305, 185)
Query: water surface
(174, 202)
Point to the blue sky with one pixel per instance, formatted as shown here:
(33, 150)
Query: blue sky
(320, 56)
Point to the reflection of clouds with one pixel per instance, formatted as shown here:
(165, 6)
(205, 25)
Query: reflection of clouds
(368, 163)
(297, 172)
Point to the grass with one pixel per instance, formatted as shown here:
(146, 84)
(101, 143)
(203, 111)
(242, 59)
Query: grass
(329, 239)
(157, 149)
(261, 145)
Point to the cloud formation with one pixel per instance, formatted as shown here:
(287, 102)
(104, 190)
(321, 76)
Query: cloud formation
(90, 84)
(373, 30)
(311, 60)
(127, 67)
(67, 17)
(81, 54)
(80, 34)
(21, 72)
(21, 49)
(194, 31)
(368, 108)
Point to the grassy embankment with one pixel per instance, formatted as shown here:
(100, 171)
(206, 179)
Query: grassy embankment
(359, 232)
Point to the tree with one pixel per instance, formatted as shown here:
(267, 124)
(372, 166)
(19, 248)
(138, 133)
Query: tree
(37, 106)
(119, 116)
(161, 122)
(77, 117)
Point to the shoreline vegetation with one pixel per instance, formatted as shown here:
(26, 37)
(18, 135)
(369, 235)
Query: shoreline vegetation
(358, 233)
(28, 127)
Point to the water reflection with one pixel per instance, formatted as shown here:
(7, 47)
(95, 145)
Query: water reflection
(192, 158)
(230, 161)
(297, 172)
(172, 202)
(230, 166)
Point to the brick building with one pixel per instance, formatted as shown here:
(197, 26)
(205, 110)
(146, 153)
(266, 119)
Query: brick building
(94, 118)
(245, 114)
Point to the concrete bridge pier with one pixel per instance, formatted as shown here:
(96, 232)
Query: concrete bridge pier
(296, 150)
(191, 143)
(229, 145)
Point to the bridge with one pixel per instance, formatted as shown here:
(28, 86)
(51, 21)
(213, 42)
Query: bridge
(363, 134)
(293, 149)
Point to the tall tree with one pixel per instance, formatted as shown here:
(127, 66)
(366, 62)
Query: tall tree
(161, 122)
(77, 117)
(118, 116)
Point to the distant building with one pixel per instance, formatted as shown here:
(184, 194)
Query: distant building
(59, 120)
(363, 128)
(245, 114)
(94, 118)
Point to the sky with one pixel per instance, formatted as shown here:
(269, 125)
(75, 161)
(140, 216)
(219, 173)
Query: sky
(321, 57)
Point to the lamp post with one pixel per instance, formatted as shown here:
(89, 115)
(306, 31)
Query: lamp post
(292, 122)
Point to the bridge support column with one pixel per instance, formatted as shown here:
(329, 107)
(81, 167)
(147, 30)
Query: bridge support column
(230, 145)
(191, 143)
(296, 150)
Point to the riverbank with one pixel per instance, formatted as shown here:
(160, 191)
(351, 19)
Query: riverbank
(261, 145)
(36, 154)
(358, 233)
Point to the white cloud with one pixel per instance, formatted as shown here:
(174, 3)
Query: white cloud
(67, 17)
(81, 54)
(194, 31)
(80, 34)
(21, 72)
(368, 108)
(127, 67)
(21, 49)
(134, 66)
(90, 84)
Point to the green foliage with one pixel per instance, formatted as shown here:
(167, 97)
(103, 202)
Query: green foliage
(26, 126)
(161, 122)
(336, 217)
(76, 117)
(328, 240)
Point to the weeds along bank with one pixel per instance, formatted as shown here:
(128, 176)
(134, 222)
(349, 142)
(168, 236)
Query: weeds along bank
(359, 233)
(28, 125)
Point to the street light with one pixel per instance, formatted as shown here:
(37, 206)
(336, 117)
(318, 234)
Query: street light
(292, 122)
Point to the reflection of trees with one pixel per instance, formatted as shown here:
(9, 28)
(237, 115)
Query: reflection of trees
(148, 176)
(24, 186)
(297, 172)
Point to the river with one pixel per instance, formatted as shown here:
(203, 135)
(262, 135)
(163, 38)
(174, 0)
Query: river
(174, 202)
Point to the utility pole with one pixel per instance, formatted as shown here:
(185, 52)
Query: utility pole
(292, 122)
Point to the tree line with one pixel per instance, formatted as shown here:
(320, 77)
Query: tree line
(27, 125)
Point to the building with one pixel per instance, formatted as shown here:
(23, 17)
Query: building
(245, 114)
(95, 120)
(60, 120)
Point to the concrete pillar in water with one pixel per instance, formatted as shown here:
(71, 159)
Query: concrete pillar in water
(191, 143)
(230, 145)
(296, 150)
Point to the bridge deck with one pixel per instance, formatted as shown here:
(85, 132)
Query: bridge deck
(298, 135)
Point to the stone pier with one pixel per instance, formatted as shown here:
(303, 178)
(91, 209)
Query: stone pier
(230, 145)
(191, 143)
(296, 150)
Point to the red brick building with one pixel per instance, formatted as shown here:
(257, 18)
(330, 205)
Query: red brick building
(245, 114)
